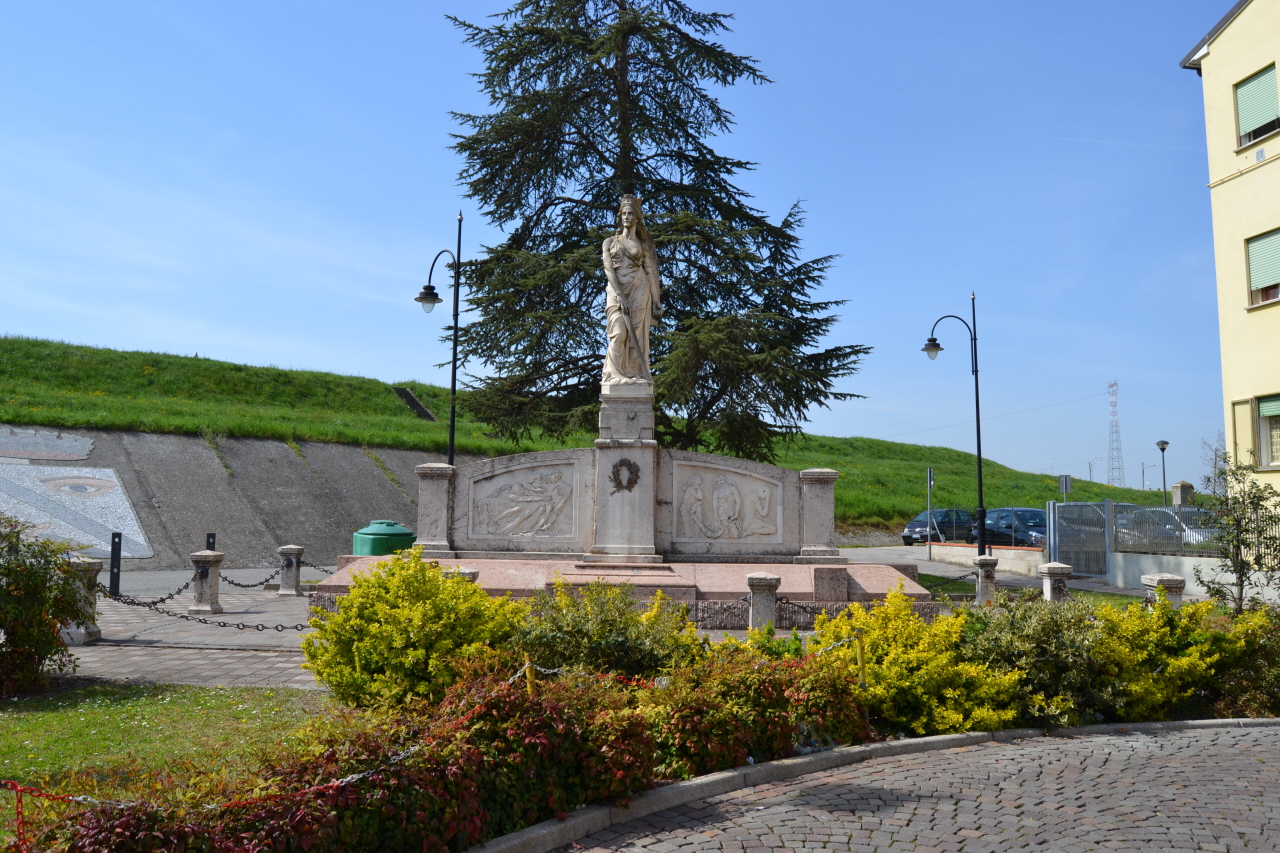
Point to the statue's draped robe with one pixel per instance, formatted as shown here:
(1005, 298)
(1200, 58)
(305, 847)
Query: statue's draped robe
(635, 273)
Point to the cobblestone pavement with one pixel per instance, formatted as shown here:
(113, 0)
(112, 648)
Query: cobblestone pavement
(1213, 790)
(210, 667)
(144, 646)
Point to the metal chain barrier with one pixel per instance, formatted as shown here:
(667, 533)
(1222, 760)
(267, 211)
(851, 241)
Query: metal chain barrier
(320, 569)
(177, 592)
(262, 582)
(807, 608)
(239, 626)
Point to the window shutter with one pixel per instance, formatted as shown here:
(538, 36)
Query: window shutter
(1268, 407)
(1264, 260)
(1256, 101)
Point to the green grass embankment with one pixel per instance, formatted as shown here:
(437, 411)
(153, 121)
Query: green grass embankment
(46, 383)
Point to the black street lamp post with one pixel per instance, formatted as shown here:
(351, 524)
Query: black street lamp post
(429, 299)
(1164, 483)
(932, 348)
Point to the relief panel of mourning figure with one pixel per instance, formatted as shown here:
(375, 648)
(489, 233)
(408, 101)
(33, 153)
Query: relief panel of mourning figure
(534, 502)
(714, 504)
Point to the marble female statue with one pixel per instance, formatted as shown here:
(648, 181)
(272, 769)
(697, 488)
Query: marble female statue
(633, 296)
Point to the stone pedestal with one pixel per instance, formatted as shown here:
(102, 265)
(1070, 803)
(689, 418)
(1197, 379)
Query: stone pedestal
(818, 517)
(290, 570)
(434, 510)
(986, 589)
(763, 597)
(1172, 585)
(86, 630)
(208, 567)
(830, 583)
(1055, 577)
(626, 467)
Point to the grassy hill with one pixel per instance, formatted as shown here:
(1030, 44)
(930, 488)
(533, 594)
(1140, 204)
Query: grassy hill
(53, 384)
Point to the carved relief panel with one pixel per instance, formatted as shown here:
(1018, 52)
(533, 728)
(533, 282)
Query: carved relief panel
(532, 502)
(726, 505)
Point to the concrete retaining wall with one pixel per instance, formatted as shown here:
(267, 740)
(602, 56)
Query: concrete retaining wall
(1019, 561)
(256, 494)
(1127, 569)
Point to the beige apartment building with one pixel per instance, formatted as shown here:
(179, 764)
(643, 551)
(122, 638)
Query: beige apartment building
(1237, 61)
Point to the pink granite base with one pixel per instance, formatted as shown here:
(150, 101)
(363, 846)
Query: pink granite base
(680, 581)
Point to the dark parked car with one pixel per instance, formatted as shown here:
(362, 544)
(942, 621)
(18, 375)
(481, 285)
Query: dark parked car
(1020, 526)
(948, 524)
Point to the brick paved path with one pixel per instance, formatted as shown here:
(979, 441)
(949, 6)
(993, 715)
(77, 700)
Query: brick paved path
(1216, 790)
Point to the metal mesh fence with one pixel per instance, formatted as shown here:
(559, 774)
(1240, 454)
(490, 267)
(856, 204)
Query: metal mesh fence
(1081, 531)
(1177, 530)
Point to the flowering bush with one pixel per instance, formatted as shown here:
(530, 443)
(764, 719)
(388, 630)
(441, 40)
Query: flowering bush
(40, 594)
(600, 628)
(400, 632)
(917, 680)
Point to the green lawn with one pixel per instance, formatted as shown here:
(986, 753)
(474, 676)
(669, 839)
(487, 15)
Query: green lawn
(46, 383)
(108, 725)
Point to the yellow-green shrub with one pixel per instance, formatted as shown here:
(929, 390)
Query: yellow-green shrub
(397, 636)
(1154, 659)
(917, 682)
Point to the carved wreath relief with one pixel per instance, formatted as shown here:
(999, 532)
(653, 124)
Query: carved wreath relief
(534, 506)
(726, 508)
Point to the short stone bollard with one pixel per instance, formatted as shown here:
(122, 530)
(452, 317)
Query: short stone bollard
(1172, 584)
(764, 599)
(208, 566)
(1055, 577)
(290, 570)
(986, 589)
(472, 575)
(86, 630)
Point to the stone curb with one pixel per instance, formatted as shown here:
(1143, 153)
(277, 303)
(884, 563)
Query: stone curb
(550, 834)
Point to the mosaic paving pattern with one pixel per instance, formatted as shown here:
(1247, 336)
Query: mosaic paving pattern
(82, 505)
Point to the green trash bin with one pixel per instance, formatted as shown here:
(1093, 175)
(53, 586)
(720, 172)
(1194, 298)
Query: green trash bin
(381, 538)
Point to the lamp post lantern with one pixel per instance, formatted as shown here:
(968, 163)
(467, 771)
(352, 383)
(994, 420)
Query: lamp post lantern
(429, 299)
(1164, 487)
(931, 348)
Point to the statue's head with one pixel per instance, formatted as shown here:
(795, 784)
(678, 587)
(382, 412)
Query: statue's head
(721, 481)
(630, 213)
(695, 480)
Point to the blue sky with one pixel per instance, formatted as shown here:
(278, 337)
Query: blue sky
(268, 182)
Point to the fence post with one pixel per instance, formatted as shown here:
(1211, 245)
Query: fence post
(1051, 515)
(1109, 537)
(290, 570)
(85, 630)
(208, 566)
(764, 599)
(986, 589)
(1055, 577)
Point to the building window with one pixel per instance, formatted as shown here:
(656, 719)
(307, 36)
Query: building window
(1269, 430)
(1264, 267)
(1257, 107)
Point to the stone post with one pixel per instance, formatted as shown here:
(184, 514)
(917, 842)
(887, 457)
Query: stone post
(1055, 577)
(435, 510)
(472, 575)
(1173, 587)
(764, 599)
(86, 630)
(1182, 493)
(290, 570)
(818, 517)
(208, 567)
(986, 589)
